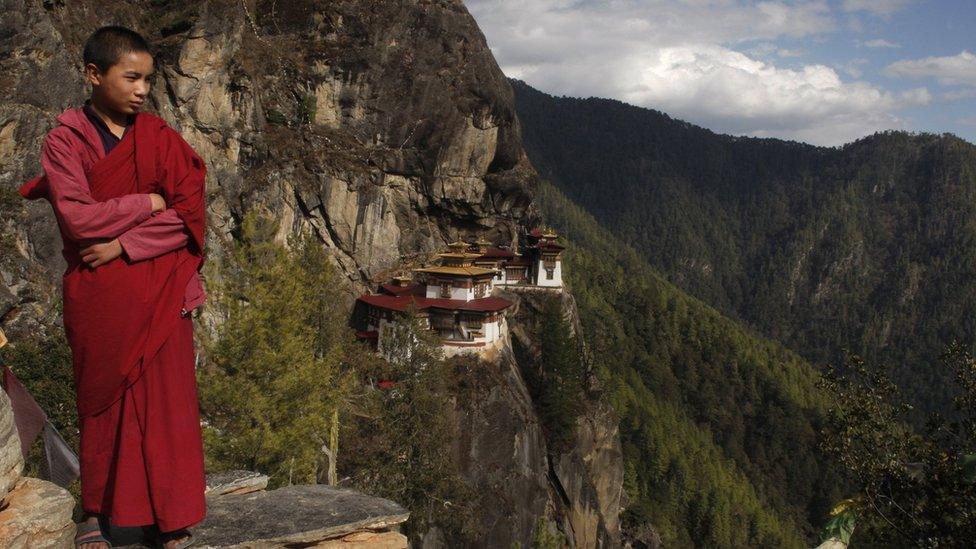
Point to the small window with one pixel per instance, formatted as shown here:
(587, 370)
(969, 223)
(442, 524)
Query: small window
(550, 273)
(445, 290)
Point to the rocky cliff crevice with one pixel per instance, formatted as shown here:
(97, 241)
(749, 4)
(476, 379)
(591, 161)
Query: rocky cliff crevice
(517, 476)
(586, 482)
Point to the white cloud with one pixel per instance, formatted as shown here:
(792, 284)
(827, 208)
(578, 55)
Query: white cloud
(730, 91)
(685, 59)
(522, 25)
(877, 7)
(881, 43)
(951, 70)
(763, 50)
(785, 52)
(853, 67)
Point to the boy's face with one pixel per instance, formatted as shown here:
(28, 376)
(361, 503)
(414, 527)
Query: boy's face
(124, 86)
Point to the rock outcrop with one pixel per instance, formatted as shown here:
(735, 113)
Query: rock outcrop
(34, 513)
(306, 516)
(384, 128)
(241, 514)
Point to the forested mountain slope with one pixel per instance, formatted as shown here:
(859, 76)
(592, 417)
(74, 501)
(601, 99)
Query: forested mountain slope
(869, 247)
(718, 425)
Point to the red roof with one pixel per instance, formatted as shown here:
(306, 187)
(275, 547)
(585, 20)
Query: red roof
(386, 384)
(394, 289)
(498, 253)
(395, 303)
(373, 334)
(403, 302)
(550, 247)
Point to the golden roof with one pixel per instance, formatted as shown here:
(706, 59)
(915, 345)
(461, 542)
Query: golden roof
(459, 255)
(456, 271)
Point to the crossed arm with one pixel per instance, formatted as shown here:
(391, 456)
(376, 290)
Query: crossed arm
(131, 223)
(161, 233)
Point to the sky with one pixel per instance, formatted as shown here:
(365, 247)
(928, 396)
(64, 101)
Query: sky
(825, 72)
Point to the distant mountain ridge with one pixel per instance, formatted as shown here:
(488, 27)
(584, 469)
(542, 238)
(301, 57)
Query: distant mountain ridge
(868, 247)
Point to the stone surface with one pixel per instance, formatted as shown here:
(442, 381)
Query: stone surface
(591, 477)
(36, 514)
(235, 482)
(294, 515)
(502, 453)
(11, 457)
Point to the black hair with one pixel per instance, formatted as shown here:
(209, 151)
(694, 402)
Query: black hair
(107, 44)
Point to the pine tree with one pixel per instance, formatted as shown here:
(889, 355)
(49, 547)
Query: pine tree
(560, 375)
(404, 448)
(277, 375)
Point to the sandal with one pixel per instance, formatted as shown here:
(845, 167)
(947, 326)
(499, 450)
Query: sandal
(82, 535)
(183, 532)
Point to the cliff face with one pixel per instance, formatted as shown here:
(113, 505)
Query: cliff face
(586, 482)
(506, 458)
(385, 128)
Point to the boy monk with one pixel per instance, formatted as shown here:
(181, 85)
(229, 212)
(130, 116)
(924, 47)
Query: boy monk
(128, 195)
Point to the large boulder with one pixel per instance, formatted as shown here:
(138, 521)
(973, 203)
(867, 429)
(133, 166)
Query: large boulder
(36, 514)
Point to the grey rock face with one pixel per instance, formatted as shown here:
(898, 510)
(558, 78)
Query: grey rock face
(11, 456)
(502, 453)
(385, 128)
(591, 477)
(586, 482)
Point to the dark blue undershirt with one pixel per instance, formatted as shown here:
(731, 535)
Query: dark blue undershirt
(109, 140)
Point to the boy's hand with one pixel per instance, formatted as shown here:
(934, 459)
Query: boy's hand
(158, 202)
(102, 253)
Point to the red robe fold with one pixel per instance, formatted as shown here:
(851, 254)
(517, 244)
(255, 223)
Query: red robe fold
(118, 315)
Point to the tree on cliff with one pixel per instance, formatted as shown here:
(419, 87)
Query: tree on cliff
(917, 486)
(556, 382)
(403, 446)
(277, 371)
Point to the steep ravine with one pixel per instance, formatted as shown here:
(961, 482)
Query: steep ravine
(386, 129)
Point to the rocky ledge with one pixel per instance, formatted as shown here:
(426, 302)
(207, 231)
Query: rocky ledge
(242, 514)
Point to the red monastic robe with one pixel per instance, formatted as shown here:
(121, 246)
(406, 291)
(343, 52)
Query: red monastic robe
(141, 451)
